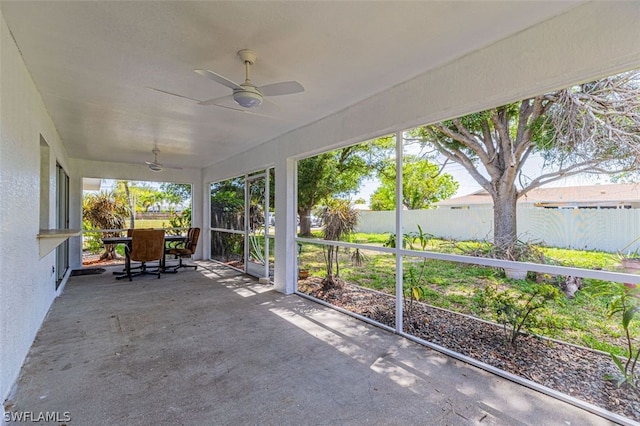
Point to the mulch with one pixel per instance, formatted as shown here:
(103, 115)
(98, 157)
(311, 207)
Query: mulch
(94, 260)
(572, 370)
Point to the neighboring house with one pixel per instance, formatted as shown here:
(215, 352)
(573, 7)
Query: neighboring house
(609, 196)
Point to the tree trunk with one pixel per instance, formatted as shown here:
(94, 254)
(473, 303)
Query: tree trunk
(305, 222)
(132, 207)
(504, 219)
(110, 252)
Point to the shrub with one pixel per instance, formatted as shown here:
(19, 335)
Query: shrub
(625, 304)
(516, 311)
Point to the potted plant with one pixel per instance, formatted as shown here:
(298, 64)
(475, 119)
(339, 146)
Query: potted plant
(630, 260)
(303, 274)
(631, 264)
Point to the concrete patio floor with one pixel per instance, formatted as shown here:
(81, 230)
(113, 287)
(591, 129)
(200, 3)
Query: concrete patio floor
(214, 347)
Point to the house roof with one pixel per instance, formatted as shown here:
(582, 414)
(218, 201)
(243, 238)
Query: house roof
(588, 195)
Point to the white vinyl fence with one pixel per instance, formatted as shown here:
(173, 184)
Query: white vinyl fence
(607, 230)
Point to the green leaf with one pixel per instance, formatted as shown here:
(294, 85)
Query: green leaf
(617, 362)
(628, 316)
(417, 293)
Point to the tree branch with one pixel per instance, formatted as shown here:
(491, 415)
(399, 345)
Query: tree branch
(587, 167)
(487, 138)
(461, 158)
(472, 144)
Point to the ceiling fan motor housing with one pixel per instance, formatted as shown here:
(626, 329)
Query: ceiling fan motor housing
(248, 96)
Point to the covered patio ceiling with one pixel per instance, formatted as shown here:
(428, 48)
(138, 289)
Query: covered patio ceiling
(96, 65)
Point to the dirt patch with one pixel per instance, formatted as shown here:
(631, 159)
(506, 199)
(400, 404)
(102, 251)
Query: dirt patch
(575, 371)
(94, 260)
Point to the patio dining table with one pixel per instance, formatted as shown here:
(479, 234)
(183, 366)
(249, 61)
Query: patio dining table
(127, 240)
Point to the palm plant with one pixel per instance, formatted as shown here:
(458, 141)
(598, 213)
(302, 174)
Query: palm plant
(339, 221)
(105, 210)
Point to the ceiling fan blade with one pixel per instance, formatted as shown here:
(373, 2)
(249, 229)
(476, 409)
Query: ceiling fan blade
(219, 79)
(284, 88)
(215, 101)
(244, 111)
(173, 94)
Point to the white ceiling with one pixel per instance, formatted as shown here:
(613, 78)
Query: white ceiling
(95, 63)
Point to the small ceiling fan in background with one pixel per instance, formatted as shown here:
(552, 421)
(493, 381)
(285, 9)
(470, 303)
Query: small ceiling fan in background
(154, 166)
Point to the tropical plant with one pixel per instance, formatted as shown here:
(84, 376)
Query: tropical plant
(105, 210)
(358, 258)
(180, 220)
(391, 241)
(339, 220)
(413, 294)
(626, 304)
(415, 274)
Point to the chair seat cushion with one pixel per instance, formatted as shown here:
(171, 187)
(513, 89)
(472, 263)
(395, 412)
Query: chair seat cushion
(179, 252)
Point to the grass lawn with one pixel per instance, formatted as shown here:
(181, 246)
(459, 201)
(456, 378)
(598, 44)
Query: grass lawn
(582, 320)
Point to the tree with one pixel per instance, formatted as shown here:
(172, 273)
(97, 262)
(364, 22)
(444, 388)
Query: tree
(336, 173)
(123, 186)
(105, 210)
(176, 193)
(227, 204)
(179, 191)
(227, 212)
(422, 185)
(589, 128)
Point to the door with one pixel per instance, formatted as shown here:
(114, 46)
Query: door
(62, 222)
(257, 226)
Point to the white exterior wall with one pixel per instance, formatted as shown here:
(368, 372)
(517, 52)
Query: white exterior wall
(591, 41)
(27, 283)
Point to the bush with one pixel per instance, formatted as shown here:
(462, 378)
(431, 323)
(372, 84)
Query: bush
(516, 311)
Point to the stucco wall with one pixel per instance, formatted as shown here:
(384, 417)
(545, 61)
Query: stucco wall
(27, 283)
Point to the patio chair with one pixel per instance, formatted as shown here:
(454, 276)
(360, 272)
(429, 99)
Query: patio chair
(139, 266)
(185, 249)
(147, 245)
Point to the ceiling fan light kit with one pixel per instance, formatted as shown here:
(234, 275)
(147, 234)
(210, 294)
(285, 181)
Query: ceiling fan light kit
(248, 97)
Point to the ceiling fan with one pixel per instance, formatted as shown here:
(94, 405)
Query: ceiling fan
(247, 95)
(154, 166)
